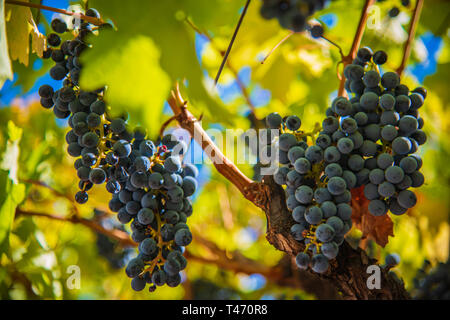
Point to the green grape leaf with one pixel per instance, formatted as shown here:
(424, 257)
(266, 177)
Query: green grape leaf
(138, 58)
(164, 22)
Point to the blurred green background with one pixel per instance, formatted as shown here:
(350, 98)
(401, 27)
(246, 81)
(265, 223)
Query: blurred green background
(154, 46)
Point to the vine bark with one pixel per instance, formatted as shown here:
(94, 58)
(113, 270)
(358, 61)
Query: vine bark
(348, 272)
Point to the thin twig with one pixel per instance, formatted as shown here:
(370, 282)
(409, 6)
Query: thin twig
(119, 235)
(56, 192)
(45, 185)
(240, 84)
(411, 35)
(277, 45)
(356, 43)
(92, 20)
(336, 45)
(165, 124)
(232, 41)
(196, 29)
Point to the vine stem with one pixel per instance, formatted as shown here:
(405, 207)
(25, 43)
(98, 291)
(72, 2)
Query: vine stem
(165, 125)
(92, 20)
(334, 44)
(356, 43)
(411, 34)
(236, 30)
(223, 165)
(53, 190)
(121, 236)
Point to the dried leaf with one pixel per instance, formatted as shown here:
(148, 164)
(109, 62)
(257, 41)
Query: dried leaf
(376, 228)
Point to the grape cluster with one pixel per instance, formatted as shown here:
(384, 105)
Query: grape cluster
(150, 185)
(292, 14)
(318, 183)
(155, 199)
(369, 141)
(388, 133)
(433, 284)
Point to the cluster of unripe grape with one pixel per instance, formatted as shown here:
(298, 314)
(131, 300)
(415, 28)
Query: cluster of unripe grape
(149, 183)
(366, 141)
